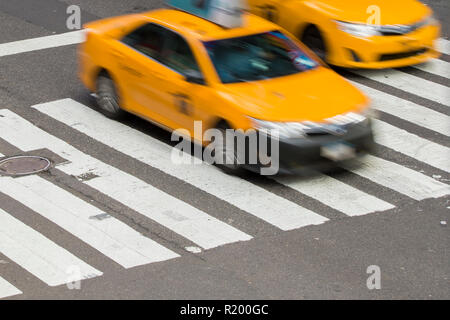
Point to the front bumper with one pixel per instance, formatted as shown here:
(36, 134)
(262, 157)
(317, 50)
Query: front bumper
(303, 155)
(380, 52)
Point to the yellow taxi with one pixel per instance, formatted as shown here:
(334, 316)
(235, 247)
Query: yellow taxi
(358, 33)
(175, 68)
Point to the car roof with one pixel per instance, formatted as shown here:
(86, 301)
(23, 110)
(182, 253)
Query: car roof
(204, 30)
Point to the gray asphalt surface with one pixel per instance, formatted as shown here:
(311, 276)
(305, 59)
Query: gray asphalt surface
(327, 261)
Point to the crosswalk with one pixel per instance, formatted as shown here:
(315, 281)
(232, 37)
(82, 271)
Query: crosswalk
(41, 256)
(409, 83)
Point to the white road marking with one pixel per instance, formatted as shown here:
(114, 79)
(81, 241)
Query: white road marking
(401, 179)
(41, 43)
(265, 205)
(39, 255)
(435, 66)
(336, 194)
(409, 83)
(110, 236)
(407, 110)
(443, 45)
(7, 289)
(176, 215)
(412, 145)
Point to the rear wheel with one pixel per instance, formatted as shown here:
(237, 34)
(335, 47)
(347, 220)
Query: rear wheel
(107, 97)
(314, 40)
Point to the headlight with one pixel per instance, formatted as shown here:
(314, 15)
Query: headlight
(358, 30)
(285, 129)
(301, 129)
(429, 21)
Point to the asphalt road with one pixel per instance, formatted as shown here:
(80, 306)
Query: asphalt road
(409, 243)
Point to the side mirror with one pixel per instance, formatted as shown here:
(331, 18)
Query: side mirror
(193, 76)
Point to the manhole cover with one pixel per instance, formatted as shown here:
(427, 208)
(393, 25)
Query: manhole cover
(23, 165)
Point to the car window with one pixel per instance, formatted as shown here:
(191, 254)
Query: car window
(148, 39)
(257, 57)
(177, 54)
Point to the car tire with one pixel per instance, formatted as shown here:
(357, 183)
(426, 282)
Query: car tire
(313, 39)
(107, 97)
(234, 169)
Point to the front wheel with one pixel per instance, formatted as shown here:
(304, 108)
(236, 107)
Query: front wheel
(226, 154)
(107, 97)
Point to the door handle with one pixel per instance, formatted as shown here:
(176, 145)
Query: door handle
(158, 75)
(131, 71)
(117, 54)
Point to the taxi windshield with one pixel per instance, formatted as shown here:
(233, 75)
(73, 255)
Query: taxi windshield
(258, 57)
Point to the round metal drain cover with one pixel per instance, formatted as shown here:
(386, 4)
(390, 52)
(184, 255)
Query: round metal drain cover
(23, 165)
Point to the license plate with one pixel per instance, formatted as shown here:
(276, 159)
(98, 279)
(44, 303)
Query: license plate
(338, 151)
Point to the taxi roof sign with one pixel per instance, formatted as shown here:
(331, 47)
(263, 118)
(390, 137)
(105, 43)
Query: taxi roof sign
(226, 13)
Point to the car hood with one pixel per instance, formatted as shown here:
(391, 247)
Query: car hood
(391, 11)
(309, 96)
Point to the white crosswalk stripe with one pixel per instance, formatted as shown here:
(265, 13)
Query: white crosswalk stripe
(7, 289)
(264, 205)
(407, 110)
(58, 40)
(412, 145)
(40, 256)
(443, 45)
(108, 235)
(176, 215)
(401, 179)
(409, 83)
(336, 194)
(436, 66)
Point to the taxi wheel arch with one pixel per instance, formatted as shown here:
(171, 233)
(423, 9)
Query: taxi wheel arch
(314, 39)
(107, 96)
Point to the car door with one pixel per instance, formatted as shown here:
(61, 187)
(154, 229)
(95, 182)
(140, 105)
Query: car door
(184, 91)
(141, 72)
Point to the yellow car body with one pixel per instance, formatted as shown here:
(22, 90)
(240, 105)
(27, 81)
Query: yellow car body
(156, 92)
(407, 36)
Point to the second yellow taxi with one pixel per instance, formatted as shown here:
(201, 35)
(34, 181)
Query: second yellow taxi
(358, 33)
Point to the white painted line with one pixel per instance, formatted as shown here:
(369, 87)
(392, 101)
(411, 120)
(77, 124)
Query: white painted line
(41, 43)
(40, 256)
(401, 179)
(336, 194)
(435, 66)
(412, 145)
(409, 83)
(265, 205)
(108, 235)
(407, 110)
(176, 215)
(443, 45)
(7, 289)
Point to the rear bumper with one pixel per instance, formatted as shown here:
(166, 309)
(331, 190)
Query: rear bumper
(380, 52)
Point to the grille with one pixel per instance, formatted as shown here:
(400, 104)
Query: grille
(402, 55)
